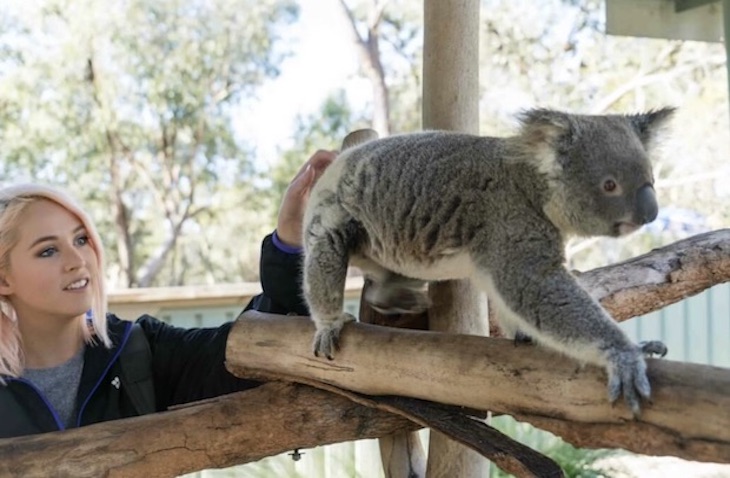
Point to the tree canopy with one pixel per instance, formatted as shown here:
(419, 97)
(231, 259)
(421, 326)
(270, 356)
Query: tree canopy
(131, 106)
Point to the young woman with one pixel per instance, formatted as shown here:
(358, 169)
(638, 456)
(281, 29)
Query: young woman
(66, 362)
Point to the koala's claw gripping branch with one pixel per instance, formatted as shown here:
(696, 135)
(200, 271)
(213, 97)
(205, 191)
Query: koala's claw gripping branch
(627, 376)
(326, 342)
(327, 337)
(653, 347)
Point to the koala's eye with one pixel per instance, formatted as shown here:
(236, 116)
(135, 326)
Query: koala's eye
(609, 185)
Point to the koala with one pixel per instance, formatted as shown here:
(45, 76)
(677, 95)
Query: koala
(431, 206)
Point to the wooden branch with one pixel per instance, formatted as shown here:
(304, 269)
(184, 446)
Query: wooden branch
(492, 374)
(661, 277)
(455, 423)
(230, 430)
(658, 278)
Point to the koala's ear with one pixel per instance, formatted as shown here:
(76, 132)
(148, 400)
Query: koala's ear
(648, 125)
(543, 127)
(543, 135)
(358, 137)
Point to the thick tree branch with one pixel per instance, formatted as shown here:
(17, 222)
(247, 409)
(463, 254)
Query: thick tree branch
(658, 278)
(238, 428)
(661, 277)
(454, 422)
(492, 374)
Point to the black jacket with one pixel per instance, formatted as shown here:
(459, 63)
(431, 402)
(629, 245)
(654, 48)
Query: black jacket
(187, 364)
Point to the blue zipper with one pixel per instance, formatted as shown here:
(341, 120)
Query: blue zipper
(103, 375)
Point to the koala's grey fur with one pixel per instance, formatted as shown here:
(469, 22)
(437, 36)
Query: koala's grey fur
(433, 206)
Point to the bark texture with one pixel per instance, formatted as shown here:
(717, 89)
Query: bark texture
(661, 277)
(238, 428)
(482, 373)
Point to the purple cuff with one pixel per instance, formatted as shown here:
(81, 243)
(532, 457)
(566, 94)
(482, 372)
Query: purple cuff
(283, 247)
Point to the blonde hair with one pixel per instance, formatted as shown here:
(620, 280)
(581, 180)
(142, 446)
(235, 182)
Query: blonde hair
(13, 201)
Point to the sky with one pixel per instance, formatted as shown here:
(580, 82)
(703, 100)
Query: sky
(323, 60)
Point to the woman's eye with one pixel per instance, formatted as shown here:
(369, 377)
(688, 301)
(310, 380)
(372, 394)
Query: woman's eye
(47, 252)
(82, 240)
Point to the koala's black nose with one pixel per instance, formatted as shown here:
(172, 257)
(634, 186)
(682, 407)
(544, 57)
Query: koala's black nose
(646, 205)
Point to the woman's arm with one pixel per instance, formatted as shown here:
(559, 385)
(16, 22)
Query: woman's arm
(280, 266)
(189, 364)
(280, 280)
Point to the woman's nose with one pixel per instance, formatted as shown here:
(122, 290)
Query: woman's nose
(75, 260)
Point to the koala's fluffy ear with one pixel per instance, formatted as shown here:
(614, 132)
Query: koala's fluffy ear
(544, 133)
(648, 125)
(543, 126)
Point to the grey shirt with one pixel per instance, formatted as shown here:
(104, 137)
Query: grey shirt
(60, 385)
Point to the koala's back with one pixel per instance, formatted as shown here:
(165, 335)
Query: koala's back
(423, 198)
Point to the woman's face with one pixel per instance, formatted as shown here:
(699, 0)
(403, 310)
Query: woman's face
(52, 266)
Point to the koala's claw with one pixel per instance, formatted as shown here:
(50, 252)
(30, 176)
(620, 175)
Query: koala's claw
(653, 347)
(327, 337)
(627, 376)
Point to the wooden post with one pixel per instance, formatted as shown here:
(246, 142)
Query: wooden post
(451, 65)
(451, 102)
(402, 453)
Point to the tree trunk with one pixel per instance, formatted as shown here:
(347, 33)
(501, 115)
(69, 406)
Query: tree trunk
(368, 50)
(457, 308)
(276, 417)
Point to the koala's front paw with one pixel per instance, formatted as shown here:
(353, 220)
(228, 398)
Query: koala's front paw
(327, 337)
(627, 374)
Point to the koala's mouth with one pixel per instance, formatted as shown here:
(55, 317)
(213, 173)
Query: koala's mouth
(625, 228)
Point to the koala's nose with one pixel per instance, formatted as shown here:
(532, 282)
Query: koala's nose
(646, 205)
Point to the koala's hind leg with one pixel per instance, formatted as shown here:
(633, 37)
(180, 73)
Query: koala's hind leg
(398, 295)
(327, 245)
(392, 293)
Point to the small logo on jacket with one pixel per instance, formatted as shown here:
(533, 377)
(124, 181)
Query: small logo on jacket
(116, 382)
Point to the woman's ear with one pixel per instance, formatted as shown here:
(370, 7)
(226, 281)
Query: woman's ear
(5, 288)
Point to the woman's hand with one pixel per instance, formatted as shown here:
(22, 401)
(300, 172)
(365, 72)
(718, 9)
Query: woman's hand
(291, 211)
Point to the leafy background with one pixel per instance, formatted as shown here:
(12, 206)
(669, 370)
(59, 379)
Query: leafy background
(131, 105)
